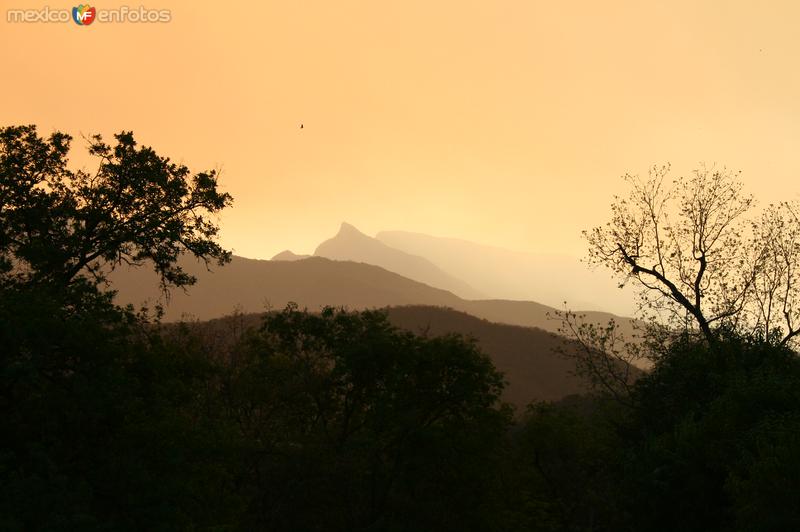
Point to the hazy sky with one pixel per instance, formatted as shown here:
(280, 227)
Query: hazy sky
(503, 122)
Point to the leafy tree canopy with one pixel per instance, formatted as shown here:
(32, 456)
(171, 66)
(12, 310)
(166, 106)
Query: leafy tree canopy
(59, 224)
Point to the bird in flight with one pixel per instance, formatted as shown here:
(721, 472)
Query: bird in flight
(301, 126)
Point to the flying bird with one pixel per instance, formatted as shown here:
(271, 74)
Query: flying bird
(301, 126)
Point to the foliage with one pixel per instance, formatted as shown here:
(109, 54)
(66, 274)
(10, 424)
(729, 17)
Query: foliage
(698, 255)
(101, 420)
(708, 442)
(58, 224)
(332, 421)
(365, 426)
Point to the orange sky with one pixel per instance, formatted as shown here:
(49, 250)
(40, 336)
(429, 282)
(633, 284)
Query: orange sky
(504, 122)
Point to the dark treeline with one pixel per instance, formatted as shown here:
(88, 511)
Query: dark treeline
(333, 420)
(338, 421)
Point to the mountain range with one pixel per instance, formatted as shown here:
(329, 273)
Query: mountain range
(478, 271)
(353, 245)
(500, 273)
(250, 285)
(357, 271)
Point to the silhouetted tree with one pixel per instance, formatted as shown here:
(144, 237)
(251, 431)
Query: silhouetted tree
(57, 224)
(712, 423)
(698, 257)
(356, 425)
(105, 426)
(706, 438)
(775, 312)
(682, 244)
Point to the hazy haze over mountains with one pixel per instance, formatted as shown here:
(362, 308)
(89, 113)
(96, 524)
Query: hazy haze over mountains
(505, 274)
(252, 285)
(351, 244)
(477, 271)
(357, 271)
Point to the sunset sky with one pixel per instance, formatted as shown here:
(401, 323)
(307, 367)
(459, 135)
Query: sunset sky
(503, 122)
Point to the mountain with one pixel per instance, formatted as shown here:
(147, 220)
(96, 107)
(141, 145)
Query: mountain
(252, 285)
(289, 256)
(353, 245)
(504, 274)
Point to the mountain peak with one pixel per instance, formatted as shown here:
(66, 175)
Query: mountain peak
(288, 255)
(348, 229)
(350, 244)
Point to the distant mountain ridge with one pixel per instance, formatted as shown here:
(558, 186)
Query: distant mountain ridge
(288, 255)
(251, 285)
(353, 245)
(476, 271)
(500, 273)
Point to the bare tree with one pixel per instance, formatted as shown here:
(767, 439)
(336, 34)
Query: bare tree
(775, 306)
(698, 256)
(602, 355)
(683, 243)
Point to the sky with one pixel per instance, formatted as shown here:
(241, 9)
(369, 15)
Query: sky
(503, 122)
